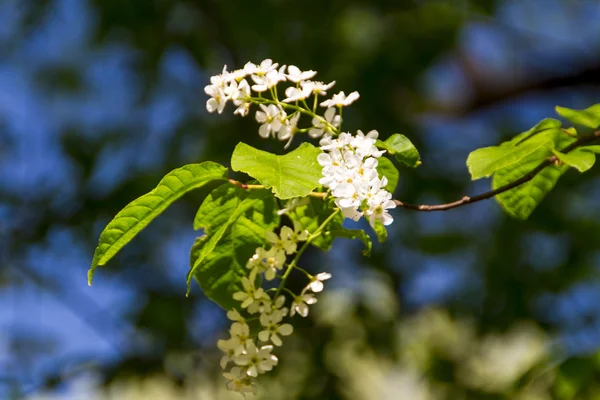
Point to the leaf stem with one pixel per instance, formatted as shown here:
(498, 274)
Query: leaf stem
(313, 236)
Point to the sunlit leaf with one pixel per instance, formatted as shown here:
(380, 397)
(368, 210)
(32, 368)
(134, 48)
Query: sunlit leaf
(483, 162)
(589, 117)
(380, 231)
(579, 159)
(295, 174)
(520, 201)
(140, 212)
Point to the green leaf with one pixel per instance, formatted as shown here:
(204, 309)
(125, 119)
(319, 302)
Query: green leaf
(310, 213)
(295, 174)
(483, 162)
(380, 231)
(589, 117)
(140, 212)
(386, 168)
(579, 159)
(593, 149)
(520, 201)
(234, 222)
(402, 148)
(353, 234)
(543, 125)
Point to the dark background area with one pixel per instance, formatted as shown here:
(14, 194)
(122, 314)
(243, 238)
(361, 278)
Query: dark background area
(99, 99)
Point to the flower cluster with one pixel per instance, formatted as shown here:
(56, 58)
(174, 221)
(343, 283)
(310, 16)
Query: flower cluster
(350, 172)
(257, 84)
(251, 353)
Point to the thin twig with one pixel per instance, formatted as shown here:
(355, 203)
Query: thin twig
(251, 187)
(484, 196)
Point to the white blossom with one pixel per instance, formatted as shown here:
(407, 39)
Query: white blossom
(316, 284)
(301, 303)
(239, 381)
(269, 118)
(272, 260)
(321, 125)
(296, 75)
(257, 361)
(229, 348)
(240, 335)
(318, 88)
(268, 80)
(341, 100)
(250, 294)
(287, 129)
(272, 327)
(296, 94)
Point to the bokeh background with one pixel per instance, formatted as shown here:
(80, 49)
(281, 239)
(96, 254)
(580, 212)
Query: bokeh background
(100, 98)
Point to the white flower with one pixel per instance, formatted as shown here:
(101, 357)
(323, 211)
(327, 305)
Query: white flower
(316, 87)
(273, 260)
(240, 335)
(287, 130)
(250, 294)
(341, 100)
(257, 361)
(295, 75)
(321, 126)
(260, 70)
(268, 80)
(269, 118)
(272, 328)
(316, 285)
(239, 381)
(379, 211)
(217, 100)
(296, 94)
(229, 348)
(235, 316)
(301, 303)
(284, 241)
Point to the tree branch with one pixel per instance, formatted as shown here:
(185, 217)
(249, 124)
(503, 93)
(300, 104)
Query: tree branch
(484, 196)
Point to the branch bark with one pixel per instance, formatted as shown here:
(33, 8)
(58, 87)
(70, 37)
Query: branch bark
(487, 195)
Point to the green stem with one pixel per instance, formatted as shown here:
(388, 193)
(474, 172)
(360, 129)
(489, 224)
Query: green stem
(313, 236)
(295, 107)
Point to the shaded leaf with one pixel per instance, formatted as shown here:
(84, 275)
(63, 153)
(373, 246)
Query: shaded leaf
(141, 211)
(353, 234)
(234, 222)
(380, 231)
(295, 174)
(310, 214)
(402, 148)
(386, 168)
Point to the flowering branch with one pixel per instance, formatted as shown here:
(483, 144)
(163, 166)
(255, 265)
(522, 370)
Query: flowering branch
(313, 236)
(484, 196)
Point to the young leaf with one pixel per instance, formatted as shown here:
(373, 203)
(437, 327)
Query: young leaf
(310, 215)
(542, 126)
(579, 159)
(380, 231)
(234, 222)
(483, 162)
(353, 234)
(593, 149)
(295, 174)
(386, 168)
(402, 148)
(140, 212)
(589, 117)
(520, 201)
